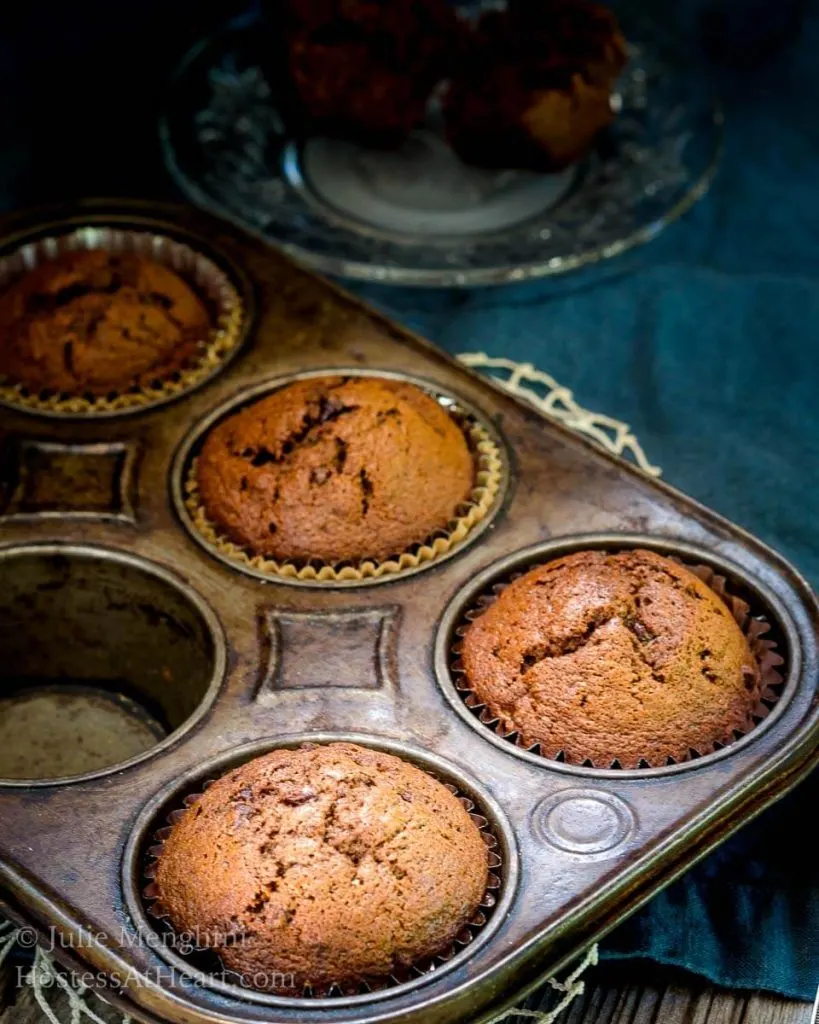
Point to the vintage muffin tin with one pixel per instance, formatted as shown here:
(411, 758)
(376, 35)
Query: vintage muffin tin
(102, 580)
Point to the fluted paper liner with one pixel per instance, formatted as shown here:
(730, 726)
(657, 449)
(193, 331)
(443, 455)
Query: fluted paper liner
(752, 622)
(399, 976)
(488, 479)
(210, 282)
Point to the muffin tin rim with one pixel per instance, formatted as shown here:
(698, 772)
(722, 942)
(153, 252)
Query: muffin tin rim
(123, 219)
(537, 554)
(211, 621)
(246, 395)
(140, 831)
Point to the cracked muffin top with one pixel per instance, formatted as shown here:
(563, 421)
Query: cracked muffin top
(336, 468)
(627, 657)
(95, 322)
(326, 864)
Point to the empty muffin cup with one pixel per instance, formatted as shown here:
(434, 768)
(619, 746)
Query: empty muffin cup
(57, 731)
(106, 657)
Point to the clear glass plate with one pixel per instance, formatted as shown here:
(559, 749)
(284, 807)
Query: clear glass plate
(418, 215)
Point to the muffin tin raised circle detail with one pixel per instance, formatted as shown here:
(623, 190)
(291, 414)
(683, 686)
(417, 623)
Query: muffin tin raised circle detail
(584, 822)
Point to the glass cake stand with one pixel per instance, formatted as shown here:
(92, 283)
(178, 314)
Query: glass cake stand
(418, 215)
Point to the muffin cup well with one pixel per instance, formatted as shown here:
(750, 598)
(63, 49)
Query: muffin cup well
(115, 628)
(209, 281)
(489, 477)
(206, 960)
(753, 622)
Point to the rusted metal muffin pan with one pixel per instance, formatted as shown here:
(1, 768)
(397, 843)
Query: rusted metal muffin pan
(104, 584)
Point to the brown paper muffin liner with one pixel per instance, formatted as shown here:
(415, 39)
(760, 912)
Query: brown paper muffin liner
(207, 960)
(210, 282)
(753, 623)
(488, 480)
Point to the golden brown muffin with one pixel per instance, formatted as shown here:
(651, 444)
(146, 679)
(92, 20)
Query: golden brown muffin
(608, 657)
(535, 88)
(337, 469)
(94, 322)
(326, 864)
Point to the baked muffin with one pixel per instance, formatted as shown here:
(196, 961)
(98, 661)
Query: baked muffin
(94, 322)
(361, 70)
(606, 657)
(335, 468)
(327, 864)
(535, 87)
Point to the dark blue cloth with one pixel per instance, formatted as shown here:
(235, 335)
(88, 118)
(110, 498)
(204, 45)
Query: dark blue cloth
(706, 341)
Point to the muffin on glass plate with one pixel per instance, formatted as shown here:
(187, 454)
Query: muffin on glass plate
(535, 87)
(362, 70)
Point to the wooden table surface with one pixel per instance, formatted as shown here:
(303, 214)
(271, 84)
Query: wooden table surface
(615, 994)
(645, 993)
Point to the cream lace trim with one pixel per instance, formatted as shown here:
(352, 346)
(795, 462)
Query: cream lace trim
(558, 402)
